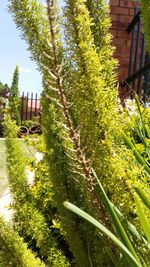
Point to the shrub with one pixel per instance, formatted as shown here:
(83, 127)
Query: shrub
(28, 219)
(14, 102)
(13, 251)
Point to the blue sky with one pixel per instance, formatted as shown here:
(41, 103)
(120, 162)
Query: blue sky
(13, 51)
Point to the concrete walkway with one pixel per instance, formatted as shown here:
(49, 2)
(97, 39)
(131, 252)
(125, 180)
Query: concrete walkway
(6, 199)
(28, 151)
(3, 167)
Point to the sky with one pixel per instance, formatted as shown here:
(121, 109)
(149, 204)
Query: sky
(13, 51)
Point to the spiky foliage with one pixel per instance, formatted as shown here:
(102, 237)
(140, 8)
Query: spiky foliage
(100, 27)
(99, 11)
(94, 95)
(60, 172)
(34, 31)
(14, 97)
(93, 108)
(91, 94)
(28, 219)
(13, 251)
(64, 183)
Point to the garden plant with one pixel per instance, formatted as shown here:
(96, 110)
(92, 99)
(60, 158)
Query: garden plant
(14, 101)
(91, 165)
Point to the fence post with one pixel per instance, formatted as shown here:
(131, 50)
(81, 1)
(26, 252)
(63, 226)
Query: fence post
(27, 105)
(31, 106)
(22, 107)
(36, 104)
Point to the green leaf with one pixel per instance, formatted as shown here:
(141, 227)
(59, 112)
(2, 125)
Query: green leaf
(143, 219)
(130, 227)
(147, 130)
(116, 222)
(140, 113)
(136, 153)
(143, 196)
(103, 229)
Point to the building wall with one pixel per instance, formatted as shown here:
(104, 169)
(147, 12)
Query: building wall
(122, 12)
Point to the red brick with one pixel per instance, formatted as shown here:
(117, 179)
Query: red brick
(125, 66)
(114, 32)
(123, 74)
(124, 50)
(119, 42)
(119, 25)
(127, 3)
(121, 55)
(124, 61)
(114, 2)
(124, 35)
(131, 12)
(119, 10)
(128, 43)
(114, 17)
(122, 12)
(123, 69)
(126, 19)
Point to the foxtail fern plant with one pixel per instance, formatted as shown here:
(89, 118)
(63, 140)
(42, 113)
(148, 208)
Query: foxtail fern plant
(69, 138)
(14, 101)
(91, 87)
(27, 218)
(77, 244)
(80, 118)
(100, 27)
(59, 148)
(13, 251)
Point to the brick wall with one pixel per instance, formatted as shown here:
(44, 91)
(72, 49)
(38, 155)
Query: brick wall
(122, 12)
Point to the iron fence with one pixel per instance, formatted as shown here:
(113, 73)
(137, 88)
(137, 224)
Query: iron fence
(138, 79)
(30, 106)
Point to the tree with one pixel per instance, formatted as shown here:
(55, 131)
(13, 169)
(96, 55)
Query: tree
(14, 102)
(4, 90)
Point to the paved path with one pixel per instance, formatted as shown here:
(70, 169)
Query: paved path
(28, 151)
(5, 210)
(5, 195)
(3, 167)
